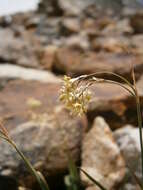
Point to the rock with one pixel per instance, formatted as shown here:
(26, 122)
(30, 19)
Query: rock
(9, 71)
(111, 44)
(79, 42)
(129, 143)
(70, 26)
(48, 30)
(23, 19)
(73, 7)
(47, 57)
(137, 43)
(5, 21)
(117, 28)
(46, 140)
(50, 7)
(20, 50)
(109, 97)
(136, 22)
(99, 148)
(94, 26)
(139, 86)
(129, 186)
(76, 63)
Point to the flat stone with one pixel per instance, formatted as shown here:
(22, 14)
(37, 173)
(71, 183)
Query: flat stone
(74, 62)
(9, 71)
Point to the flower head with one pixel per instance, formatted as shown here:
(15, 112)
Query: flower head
(76, 97)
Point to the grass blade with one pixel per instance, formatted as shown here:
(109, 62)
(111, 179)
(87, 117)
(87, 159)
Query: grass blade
(93, 180)
(73, 179)
(43, 182)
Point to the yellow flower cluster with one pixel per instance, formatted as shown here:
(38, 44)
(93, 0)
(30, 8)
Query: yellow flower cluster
(75, 97)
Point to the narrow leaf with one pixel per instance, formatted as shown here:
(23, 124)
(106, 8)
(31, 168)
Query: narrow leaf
(43, 182)
(93, 180)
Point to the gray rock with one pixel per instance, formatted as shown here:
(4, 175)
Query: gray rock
(21, 49)
(129, 186)
(9, 71)
(129, 143)
(46, 144)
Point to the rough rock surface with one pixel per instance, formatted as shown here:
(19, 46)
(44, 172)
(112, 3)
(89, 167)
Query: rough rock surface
(45, 140)
(113, 103)
(129, 144)
(99, 148)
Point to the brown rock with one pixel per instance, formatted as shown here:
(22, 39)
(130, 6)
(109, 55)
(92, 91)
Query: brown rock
(79, 42)
(137, 43)
(140, 86)
(111, 44)
(47, 57)
(136, 22)
(45, 141)
(70, 25)
(74, 62)
(117, 28)
(109, 97)
(101, 157)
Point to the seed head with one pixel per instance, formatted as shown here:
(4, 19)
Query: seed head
(75, 97)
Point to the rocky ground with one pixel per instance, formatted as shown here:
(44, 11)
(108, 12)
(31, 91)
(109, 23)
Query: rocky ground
(36, 50)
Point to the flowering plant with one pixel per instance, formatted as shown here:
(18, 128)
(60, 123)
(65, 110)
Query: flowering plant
(75, 95)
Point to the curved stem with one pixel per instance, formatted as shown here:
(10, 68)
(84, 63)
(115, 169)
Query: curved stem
(121, 85)
(110, 73)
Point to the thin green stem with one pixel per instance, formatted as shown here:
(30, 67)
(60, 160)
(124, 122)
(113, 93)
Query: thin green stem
(43, 184)
(139, 115)
(110, 73)
(30, 167)
(121, 85)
